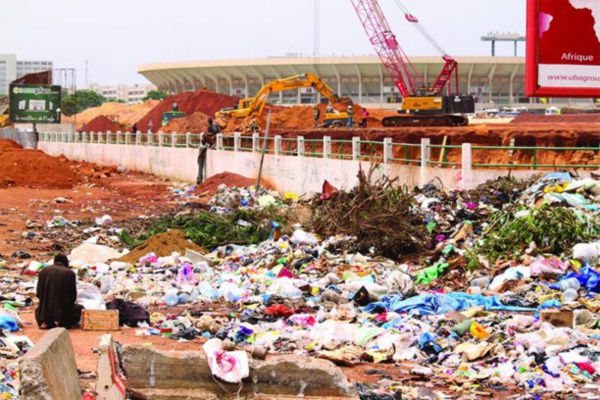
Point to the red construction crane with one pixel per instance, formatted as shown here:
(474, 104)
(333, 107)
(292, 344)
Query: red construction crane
(404, 75)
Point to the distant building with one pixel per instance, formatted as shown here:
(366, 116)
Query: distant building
(129, 94)
(11, 69)
(494, 81)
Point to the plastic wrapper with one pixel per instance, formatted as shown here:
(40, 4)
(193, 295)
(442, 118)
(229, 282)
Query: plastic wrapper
(89, 297)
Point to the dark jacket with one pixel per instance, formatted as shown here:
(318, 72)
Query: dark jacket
(214, 129)
(57, 291)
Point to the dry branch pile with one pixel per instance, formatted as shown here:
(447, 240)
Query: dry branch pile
(380, 215)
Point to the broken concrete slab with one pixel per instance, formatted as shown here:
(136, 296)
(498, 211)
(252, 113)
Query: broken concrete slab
(111, 383)
(48, 370)
(196, 394)
(157, 375)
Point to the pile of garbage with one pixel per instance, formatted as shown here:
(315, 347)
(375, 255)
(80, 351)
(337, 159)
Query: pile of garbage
(500, 291)
(381, 217)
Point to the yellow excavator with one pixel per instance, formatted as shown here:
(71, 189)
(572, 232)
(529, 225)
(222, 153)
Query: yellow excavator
(253, 107)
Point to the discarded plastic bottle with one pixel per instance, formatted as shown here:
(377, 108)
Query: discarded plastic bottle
(171, 297)
(482, 282)
(571, 283)
(570, 295)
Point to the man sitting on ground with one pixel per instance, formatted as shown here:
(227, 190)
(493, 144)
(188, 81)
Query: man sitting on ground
(57, 291)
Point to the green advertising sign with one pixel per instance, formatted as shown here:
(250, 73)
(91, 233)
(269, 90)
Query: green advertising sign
(35, 104)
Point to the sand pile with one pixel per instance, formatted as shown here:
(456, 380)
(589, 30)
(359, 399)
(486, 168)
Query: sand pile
(553, 119)
(203, 100)
(104, 124)
(195, 123)
(229, 179)
(163, 245)
(34, 168)
(121, 113)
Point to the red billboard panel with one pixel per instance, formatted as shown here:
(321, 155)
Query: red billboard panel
(563, 48)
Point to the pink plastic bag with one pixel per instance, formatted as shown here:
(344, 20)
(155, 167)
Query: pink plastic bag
(230, 366)
(552, 265)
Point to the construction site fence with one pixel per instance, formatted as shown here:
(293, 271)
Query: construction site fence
(23, 137)
(386, 151)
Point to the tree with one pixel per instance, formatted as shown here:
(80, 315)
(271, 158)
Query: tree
(87, 99)
(82, 100)
(156, 95)
(68, 106)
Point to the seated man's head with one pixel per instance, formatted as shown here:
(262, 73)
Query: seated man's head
(61, 259)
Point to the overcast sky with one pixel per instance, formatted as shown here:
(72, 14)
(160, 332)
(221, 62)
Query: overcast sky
(116, 36)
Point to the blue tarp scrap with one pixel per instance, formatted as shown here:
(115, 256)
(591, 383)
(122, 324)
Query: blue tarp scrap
(435, 304)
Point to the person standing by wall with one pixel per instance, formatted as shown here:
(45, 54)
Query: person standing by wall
(316, 115)
(365, 116)
(253, 126)
(350, 117)
(207, 141)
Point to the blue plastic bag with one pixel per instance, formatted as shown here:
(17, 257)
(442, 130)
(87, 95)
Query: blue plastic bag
(8, 323)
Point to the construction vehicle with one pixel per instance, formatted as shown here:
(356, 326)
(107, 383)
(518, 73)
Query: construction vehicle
(253, 107)
(423, 104)
(171, 115)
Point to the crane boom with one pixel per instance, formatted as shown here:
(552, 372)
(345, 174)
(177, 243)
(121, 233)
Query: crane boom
(393, 57)
(384, 41)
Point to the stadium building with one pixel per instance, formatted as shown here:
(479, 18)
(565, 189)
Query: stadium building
(494, 81)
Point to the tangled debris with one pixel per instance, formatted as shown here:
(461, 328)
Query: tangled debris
(380, 215)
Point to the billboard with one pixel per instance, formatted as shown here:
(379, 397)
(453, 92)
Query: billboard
(563, 48)
(35, 104)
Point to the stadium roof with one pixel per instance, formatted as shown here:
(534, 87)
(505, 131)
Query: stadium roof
(365, 74)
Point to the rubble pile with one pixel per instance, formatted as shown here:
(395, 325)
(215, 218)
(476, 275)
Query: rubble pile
(491, 290)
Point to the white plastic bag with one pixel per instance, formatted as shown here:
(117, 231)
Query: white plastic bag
(91, 254)
(89, 297)
(586, 252)
(300, 236)
(230, 366)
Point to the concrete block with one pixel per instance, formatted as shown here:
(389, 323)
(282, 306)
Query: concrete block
(48, 370)
(153, 374)
(111, 384)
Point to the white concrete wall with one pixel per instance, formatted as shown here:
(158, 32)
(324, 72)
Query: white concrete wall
(287, 173)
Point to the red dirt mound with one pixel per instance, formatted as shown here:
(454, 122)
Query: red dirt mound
(34, 168)
(301, 117)
(203, 100)
(195, 123)
(103, 124)
(553, 119)
(229, 179)
(243, 124)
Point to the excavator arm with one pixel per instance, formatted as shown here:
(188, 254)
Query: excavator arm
(257, 104)
(291, 83)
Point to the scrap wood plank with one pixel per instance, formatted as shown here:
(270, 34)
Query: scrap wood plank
(100, 320)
